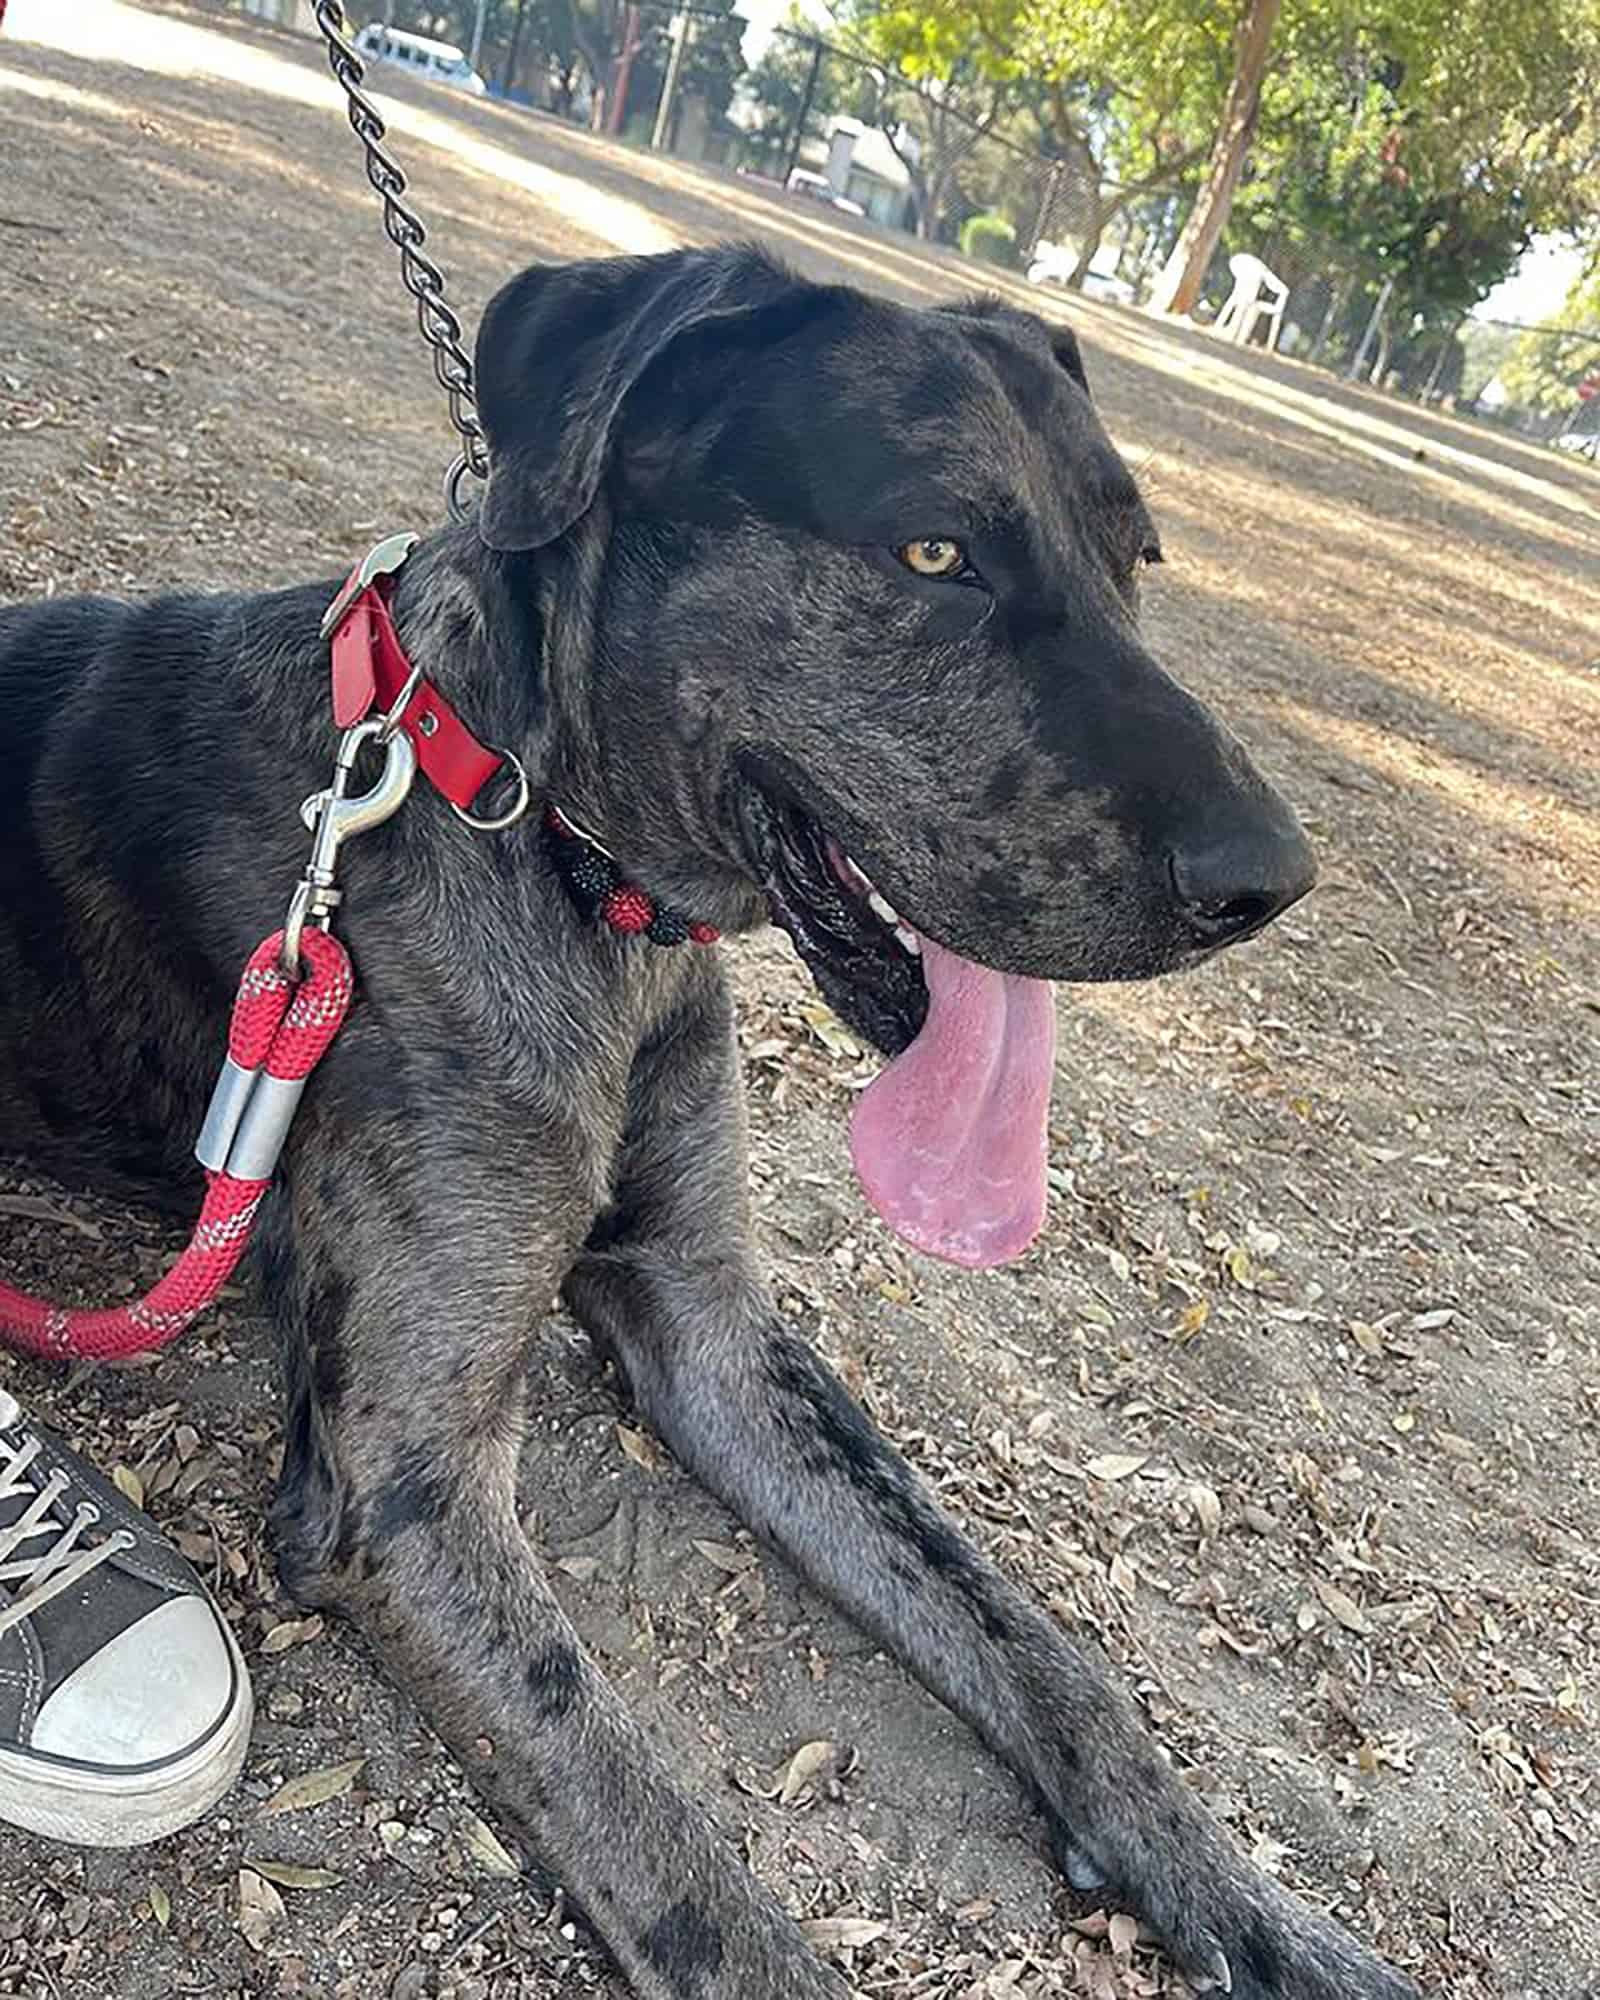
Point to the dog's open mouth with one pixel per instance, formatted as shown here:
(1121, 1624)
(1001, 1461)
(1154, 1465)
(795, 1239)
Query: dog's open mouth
(949, 1142)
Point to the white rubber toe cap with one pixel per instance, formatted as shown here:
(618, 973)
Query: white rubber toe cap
(153, 1692)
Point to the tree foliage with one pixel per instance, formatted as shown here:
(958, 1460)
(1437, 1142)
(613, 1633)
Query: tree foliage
(1129, 94)
(1422, 142)
(1544, 368)
(1424, 139)
(934, 95)
(777, 87)
(561, 42)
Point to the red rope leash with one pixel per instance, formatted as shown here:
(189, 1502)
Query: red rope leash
(279, 1031)
(282, 1021)
(282, 1024)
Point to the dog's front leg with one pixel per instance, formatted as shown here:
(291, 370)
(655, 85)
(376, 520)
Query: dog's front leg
(668, 1287)
(406, 1300)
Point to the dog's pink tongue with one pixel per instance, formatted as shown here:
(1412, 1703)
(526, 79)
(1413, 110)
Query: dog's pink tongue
(949, 1142)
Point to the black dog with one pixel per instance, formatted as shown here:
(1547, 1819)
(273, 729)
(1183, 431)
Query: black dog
(793, 602)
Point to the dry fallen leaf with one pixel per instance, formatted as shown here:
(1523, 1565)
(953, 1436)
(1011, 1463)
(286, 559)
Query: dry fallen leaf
(36, 1208)
(260, 1908)
(727, 1558)
(840, 1933)
(128, 1483)
(292, 1875)
(483, 1844)
(639, 1448)
(1207, 1507)
(1118, 1464)
(292, 1632)
(804, 1765)
(1239, 1265)
(1344, 1608)
(1193, 1318)
(314, 1788)
(830, 1031)
(160, 1905)
(1000, 1982)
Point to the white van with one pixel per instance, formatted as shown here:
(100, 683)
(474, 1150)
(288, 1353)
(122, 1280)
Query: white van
(438, 62)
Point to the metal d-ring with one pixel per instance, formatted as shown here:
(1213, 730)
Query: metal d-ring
(494, 822)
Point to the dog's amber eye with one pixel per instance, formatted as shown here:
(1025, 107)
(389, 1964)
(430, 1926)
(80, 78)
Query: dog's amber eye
(933, 556)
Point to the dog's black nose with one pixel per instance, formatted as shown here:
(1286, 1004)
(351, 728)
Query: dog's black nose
(1232, 887)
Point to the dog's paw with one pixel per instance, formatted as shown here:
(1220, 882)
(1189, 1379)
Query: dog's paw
(1231, 1930)
(1287, 1953)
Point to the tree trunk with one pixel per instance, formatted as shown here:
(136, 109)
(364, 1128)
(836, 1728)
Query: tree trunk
(1089, 248)
(1385, 342)
(1338, 289)
(618, 101)
(926, 186)
(1178, 287)
(933, 180)
(508, 75)
(1446, 347)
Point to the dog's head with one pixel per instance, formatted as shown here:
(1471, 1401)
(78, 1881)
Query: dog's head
(864, 643)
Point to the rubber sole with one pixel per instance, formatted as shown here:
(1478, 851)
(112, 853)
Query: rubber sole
(99, 1809)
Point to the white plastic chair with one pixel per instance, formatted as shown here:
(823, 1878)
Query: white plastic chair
(1258, 295)
(1052, 263)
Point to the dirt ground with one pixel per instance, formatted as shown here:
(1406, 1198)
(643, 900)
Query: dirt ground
(1296, 1403)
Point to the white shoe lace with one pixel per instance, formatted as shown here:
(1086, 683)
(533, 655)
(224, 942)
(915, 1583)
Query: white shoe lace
(58, 1557)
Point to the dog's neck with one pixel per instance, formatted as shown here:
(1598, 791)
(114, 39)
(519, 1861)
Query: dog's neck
(509, 640)
(475, 624)
(470, 620)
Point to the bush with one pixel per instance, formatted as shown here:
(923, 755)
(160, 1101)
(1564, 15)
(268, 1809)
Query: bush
(989, 238)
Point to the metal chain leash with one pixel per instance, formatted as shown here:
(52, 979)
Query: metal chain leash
(422, 277)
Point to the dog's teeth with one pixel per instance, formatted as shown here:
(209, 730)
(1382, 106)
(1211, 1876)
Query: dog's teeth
(881, 910)
(859, 878)
(909, 939)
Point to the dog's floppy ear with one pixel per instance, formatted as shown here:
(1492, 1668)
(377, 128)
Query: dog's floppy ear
(559, 350)
(1063, 341)
(1064, 346)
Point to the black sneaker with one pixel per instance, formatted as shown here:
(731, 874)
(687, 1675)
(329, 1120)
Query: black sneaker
(124, 1703)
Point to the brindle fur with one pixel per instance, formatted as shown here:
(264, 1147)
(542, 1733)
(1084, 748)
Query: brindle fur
(699, 467)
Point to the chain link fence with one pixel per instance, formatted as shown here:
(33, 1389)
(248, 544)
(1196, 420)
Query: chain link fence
(965, 167)
(1368, 321)
(824, 123)
(819, 122)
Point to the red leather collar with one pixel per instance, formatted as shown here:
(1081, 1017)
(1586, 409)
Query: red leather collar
(371, 669)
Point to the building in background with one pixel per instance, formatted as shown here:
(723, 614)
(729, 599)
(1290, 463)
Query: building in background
(284, 13)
